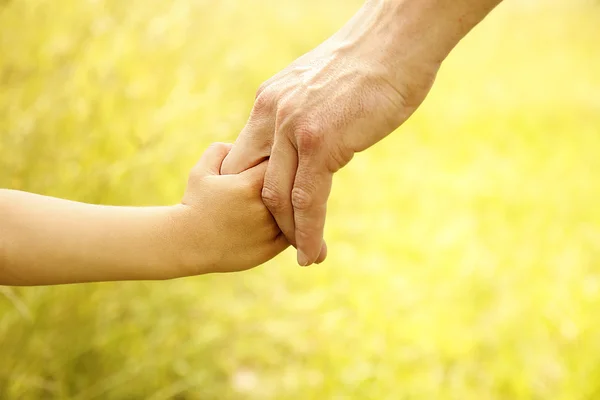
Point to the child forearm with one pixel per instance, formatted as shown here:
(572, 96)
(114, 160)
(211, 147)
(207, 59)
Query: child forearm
(44, 240)
(221, 225)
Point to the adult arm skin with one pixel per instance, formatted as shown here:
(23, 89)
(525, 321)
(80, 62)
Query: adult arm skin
(341, 98)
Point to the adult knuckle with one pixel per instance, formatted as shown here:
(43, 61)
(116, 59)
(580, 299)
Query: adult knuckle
(272, 198)
(285, 112)
(265, 102)
(308, 138)
(302, 200)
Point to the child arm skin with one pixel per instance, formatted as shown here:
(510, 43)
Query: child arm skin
(220, 226)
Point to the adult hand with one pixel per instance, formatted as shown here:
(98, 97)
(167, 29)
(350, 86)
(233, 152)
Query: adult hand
(312, 117)
(339, 99)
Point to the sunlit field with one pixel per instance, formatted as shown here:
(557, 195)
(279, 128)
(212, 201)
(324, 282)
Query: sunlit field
(464, 250)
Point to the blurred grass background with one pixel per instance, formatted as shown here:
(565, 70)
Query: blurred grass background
(464, 249)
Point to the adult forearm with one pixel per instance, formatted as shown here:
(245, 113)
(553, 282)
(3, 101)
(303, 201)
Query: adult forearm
(405, 34)
(44, 240)
(434, 26)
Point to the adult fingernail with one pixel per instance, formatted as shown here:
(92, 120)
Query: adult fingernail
(302, 259)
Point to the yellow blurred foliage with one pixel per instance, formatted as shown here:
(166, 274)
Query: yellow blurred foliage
(464, 249)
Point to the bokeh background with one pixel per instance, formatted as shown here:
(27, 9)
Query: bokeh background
(464, 249)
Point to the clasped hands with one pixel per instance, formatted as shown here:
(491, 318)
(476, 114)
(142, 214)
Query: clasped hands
(311, 118)
(246, 203)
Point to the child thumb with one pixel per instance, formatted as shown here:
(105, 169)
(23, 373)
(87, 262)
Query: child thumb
(211, 160)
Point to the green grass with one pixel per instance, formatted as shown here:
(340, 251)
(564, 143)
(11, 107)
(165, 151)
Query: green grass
(464, 249)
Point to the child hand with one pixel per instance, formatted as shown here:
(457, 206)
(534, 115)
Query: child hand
(222, 223)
